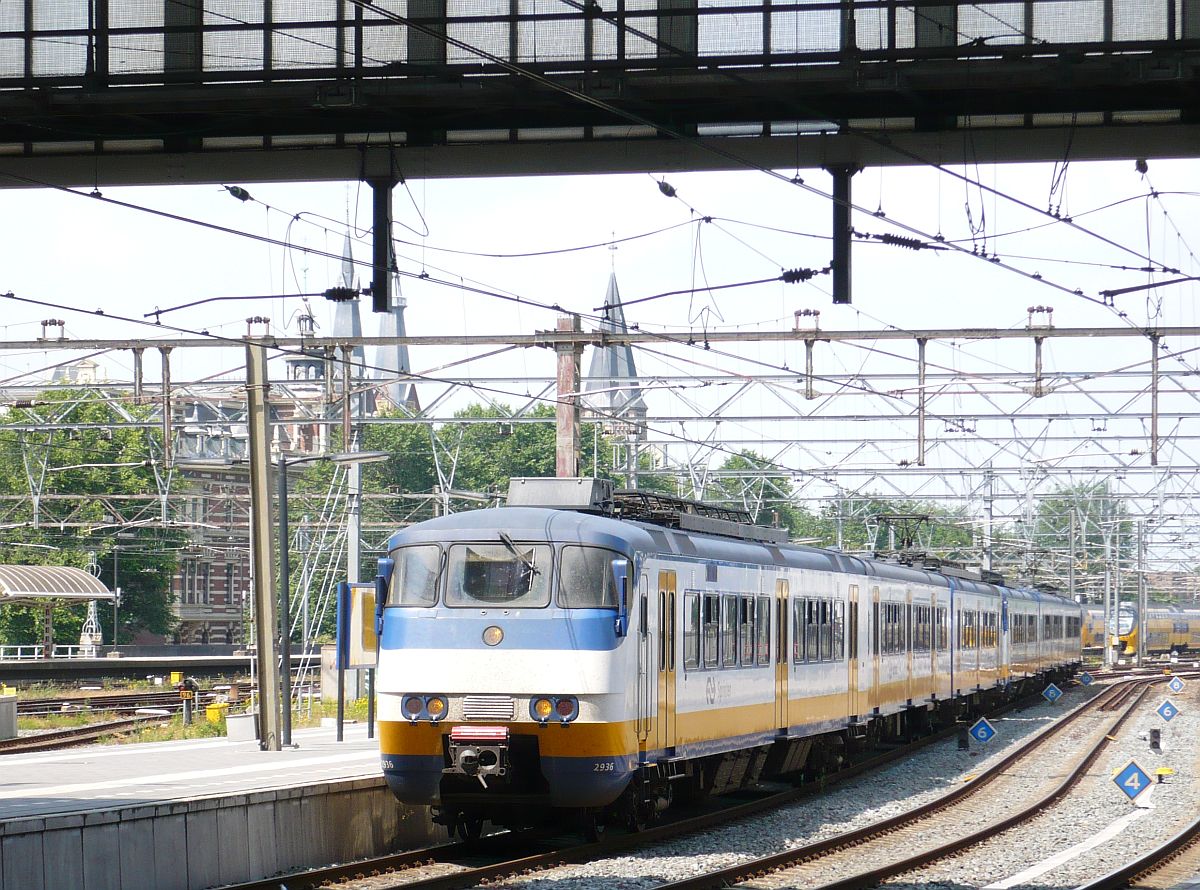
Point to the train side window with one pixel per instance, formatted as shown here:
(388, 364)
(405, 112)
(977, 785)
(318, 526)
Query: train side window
(826, 632)
(746, 629)
(812, 646)
(644, 617)
(763, 628)
(875, 628)
(691, 631)
(839, 630)
(799, 616)
(712, 627)
(943, 636)
(729, 630)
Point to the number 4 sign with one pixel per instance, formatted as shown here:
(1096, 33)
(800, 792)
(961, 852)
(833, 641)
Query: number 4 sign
(1132, 780)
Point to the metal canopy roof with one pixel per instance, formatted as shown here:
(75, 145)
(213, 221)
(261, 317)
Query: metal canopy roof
(27, 583)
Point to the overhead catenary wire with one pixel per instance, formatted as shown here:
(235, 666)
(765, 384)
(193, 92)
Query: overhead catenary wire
(612, 19)
(675, 133)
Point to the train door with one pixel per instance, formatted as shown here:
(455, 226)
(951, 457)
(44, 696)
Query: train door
(665, 660)
(873, 647)
(783, 662)
(909, 634)
(646, 687)
(935, 672)
(1002, 639)
(854, 704)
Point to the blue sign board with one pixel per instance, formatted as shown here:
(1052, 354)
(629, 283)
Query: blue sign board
(1176, 685)
(1052, 693)
(1132, 780)
(1167, 710)
(1086, 679)
(982, 731)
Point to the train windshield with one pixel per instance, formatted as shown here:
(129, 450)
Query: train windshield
(414, 580)
(505, 574)
(1125, 619)
(586, 579)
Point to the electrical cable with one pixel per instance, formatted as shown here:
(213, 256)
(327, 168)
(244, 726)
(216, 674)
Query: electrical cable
(881, 141)
(675, 133)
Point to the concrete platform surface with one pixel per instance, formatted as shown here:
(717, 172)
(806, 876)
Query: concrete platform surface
(102, 777)
(196, 815)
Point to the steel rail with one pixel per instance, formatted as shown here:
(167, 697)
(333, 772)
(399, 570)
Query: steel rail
(799, 855)
(65, 738)
(1148, 863)
(611, 844)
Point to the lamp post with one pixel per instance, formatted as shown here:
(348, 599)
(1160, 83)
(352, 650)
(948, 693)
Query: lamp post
(285, 608)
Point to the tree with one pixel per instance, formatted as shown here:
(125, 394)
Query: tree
(76, 443)
(748, 481)
(1086, 519)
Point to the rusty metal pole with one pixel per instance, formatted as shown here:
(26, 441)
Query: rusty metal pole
(266, 624)
(566, 439)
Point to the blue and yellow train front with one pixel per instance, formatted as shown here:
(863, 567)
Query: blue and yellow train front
(504, 681)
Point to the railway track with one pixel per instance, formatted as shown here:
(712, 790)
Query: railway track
(40, 707)
(66, 738)
(901, 844)
(115, 702)
(507, 855)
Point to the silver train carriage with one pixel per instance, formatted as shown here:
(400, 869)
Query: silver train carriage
(538, 658)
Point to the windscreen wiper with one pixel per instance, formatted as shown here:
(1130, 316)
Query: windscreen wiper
(508, 542)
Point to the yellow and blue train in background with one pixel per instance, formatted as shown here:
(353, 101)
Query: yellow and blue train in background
(1169, 628)
(608, 653)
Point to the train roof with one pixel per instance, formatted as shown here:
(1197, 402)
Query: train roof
(637, 536)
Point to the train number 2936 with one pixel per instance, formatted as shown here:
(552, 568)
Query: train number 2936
(603, 766)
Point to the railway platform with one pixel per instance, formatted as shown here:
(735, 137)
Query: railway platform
(195, 814)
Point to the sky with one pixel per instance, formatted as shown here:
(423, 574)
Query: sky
(76, 254)
(71, 250)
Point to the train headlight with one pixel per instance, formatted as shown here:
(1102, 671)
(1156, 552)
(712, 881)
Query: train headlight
(563, 707)
(435, 706)
(493, 635)
(412, 706)
(540, 709)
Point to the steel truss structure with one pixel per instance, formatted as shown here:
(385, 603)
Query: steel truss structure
(175, 90)
(927, 416)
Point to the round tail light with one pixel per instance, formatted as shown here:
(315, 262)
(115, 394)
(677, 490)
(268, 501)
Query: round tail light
(543, 708)
(412, 706)
(566, 707)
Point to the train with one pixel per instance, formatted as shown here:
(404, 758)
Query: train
(1169, 628)
(604, 654)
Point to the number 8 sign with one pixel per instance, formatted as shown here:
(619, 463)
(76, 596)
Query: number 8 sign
(1132, 780)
